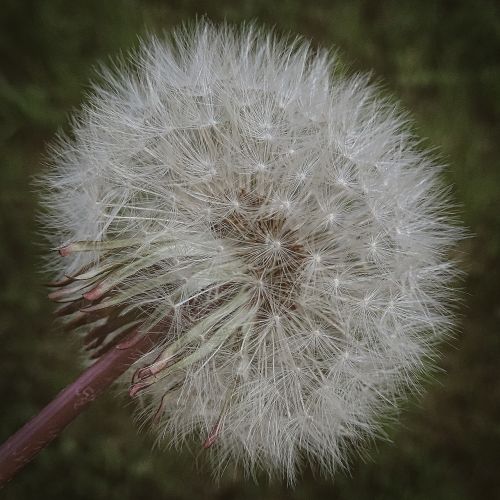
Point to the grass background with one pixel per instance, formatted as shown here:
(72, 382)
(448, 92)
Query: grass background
(442, 59)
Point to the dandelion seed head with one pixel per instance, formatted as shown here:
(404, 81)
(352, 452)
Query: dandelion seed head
(277, 225)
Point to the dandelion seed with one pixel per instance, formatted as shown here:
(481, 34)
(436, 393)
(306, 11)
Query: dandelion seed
(274, 222)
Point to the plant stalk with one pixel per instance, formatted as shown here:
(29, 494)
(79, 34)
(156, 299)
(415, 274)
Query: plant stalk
(35, 435)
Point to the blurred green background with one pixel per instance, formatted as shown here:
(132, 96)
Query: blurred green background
(442, 59)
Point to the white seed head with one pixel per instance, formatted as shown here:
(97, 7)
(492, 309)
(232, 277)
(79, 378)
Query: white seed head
(275, 222)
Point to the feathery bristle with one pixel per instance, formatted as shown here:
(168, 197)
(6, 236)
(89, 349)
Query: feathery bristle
(283, 219)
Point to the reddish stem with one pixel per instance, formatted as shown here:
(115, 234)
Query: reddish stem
(22, 446)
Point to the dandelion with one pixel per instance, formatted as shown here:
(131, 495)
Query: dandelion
(277, 227)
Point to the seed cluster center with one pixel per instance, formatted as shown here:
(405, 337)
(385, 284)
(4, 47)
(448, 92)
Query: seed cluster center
(269, 247)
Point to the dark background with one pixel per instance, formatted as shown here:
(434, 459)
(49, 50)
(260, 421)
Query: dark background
(441, 58)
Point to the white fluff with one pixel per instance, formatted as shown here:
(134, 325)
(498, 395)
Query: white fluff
(282, 215)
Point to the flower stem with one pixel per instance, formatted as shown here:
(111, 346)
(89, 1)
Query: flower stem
(22, 446)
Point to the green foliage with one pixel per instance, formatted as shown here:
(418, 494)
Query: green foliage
(441, 58)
